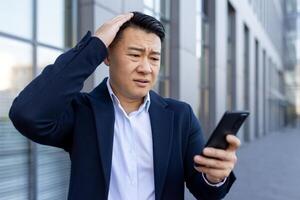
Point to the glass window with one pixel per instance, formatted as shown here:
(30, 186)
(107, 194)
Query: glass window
(50, 173)
(53, 171)
(257, 83)
(149, 4)
(203, 42)
(16, 18)
(198, 28)
(160, 9)
(246, 79)
(15, 73)
(230, 100)
(165, 9)
(53, 164)
(46, 56)
(164, 74)
(53, 22)
(157, 5)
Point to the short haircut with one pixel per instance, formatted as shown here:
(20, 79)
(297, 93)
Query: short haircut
(144, 22)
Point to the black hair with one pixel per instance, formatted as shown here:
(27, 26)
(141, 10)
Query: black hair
(144, 22)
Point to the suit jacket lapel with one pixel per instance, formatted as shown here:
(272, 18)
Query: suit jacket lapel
(104, 119)
(162, 133)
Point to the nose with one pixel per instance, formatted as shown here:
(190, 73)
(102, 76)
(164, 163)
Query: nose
(145, 67)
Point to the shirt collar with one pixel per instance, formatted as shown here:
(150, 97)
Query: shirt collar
(115, 100)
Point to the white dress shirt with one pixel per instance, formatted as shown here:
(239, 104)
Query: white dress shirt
(132, 172)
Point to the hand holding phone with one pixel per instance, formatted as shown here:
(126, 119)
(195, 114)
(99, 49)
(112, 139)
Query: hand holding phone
(230, 123)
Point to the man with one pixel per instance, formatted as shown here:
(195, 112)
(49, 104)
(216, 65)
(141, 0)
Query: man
(124, 140)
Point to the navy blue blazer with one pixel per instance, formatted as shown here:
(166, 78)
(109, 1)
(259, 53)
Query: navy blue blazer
(51, 110)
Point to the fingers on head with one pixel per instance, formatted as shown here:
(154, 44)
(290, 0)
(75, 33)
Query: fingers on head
(123, 18)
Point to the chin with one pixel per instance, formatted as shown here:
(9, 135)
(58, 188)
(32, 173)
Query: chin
(140, 94)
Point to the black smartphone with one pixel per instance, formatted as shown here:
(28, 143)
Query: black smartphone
(230, 123)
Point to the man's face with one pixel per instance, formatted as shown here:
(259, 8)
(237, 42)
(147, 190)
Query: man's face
(134, 63)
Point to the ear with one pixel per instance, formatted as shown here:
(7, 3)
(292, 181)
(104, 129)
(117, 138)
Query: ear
(107, 59)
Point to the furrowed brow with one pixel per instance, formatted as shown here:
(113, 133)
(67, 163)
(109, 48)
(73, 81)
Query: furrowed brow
(136, 49)
(143, 50)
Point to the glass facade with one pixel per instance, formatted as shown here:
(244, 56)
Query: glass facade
(264, 96)
(270, 15)
(15, 73)
(32, 34)
(230, 97)
(246, 80)
(204, 48)
(257, 87)
(160, 9)
(17, 11)
(276, 98)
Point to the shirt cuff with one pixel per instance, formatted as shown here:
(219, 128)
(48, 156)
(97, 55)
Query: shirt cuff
(213, 184)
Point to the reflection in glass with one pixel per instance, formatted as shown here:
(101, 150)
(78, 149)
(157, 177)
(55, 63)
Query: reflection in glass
(53, 22)
(45, 56)
(15, 73)
(16, 18)
(149, 4)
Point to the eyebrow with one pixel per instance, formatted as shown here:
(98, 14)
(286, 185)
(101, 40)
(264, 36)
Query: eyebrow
(143, 50)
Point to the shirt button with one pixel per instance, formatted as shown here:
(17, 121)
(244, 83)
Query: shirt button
(132, 181)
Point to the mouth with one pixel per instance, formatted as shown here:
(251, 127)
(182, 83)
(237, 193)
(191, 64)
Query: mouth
(141, 82)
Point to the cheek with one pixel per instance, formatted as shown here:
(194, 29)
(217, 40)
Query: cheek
(122, 67)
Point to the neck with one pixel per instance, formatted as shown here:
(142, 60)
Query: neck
(128, 104)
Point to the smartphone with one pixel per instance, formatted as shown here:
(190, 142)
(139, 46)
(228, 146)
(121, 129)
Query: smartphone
(230, 123)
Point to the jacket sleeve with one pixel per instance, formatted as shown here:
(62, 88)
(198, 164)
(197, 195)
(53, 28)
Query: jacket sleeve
(43, 111)
(194, 180)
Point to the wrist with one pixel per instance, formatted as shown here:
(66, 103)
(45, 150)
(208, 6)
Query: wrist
(213, 184)
(212, 180)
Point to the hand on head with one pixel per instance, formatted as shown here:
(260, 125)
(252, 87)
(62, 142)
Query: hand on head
(109, 29)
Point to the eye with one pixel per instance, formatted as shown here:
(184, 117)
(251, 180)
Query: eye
(134, 55)
(155, 59)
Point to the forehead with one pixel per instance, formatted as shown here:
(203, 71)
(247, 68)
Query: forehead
(140, 38)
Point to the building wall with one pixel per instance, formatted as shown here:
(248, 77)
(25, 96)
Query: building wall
(189, 73)
(245, 14)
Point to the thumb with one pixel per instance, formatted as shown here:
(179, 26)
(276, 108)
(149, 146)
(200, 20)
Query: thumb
(234, 142)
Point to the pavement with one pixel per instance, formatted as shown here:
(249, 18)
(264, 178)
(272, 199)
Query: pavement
(269, 168)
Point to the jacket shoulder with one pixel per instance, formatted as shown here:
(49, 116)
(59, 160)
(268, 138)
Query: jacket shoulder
(177, 105)
(171, 104)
